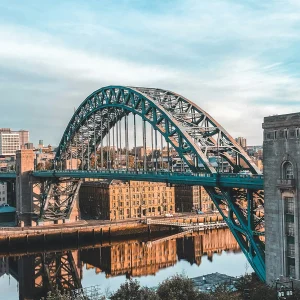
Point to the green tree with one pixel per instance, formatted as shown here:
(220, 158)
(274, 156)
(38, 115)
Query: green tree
(131, 290)
(179, 287)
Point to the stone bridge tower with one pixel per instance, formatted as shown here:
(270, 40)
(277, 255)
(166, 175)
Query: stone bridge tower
(24, 203)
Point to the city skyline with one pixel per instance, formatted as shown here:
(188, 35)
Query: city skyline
(56, 55)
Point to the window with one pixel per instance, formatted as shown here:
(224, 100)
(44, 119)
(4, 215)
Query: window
(291, 270)
(288, 172)
(291, 250)
(289, 205)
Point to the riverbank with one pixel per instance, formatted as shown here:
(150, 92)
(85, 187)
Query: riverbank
(104, 229)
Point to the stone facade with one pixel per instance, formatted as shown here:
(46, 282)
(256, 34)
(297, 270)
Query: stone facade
(118, 200)
(281, 157)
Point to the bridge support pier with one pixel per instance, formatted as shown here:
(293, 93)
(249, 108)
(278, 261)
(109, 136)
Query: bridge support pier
(24, 192)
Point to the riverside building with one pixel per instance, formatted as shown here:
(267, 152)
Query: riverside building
(118, 200)
(281, 157)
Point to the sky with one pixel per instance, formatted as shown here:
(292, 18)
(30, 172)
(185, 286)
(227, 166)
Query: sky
(237, 60)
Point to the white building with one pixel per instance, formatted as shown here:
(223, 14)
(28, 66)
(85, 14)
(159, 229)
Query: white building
(3, 193)
(9, 143)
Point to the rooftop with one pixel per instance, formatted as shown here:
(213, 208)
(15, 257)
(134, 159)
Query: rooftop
(282, 120)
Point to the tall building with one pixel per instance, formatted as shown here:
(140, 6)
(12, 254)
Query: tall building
(116, 199)
(281, 153)
(9, 142)
(242, 141)
(24, 137)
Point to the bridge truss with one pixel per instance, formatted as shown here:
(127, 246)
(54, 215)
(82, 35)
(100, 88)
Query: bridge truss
(115, 119)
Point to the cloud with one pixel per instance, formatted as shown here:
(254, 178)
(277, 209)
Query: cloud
(237, 60)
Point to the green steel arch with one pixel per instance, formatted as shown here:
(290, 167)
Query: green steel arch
(189, 129)
(193, 133)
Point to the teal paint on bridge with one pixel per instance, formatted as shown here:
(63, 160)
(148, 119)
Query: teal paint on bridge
(203, 179)
(7, 175)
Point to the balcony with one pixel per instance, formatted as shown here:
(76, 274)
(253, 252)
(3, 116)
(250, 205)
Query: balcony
(285, 184)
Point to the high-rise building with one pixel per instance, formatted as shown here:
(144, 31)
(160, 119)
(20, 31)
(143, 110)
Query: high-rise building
(24, 137)
(10, 137)
(9, 142)
(242, 141)
(281, 159)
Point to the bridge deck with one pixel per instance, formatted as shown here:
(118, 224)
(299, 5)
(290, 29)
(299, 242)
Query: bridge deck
(204, 179)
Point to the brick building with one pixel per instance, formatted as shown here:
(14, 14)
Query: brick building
(189, 198)
(116, 199)
(281, 151)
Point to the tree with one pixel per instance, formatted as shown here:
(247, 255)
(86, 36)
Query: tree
(131, 290)
(179, 287)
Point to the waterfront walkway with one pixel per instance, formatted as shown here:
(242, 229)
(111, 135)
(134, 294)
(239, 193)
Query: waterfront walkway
(185, 220)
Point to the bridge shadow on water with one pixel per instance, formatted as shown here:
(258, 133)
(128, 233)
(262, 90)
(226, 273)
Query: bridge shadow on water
(43, 268)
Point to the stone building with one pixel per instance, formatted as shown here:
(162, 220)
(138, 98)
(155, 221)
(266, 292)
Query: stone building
(116, 199)
(281, 154)
(189, 198)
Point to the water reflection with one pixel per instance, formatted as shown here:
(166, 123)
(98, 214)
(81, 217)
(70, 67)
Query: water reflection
(39, 273)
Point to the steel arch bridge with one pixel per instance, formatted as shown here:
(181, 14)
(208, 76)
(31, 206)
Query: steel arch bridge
(96, 144)
(186, 129)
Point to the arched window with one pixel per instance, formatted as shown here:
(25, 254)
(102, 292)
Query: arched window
(288, 172)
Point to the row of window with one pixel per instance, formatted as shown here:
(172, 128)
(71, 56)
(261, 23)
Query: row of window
(134, 203)
(138, 210)
(138, 189)
(283, 134)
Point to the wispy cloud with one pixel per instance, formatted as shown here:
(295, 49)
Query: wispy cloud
(237, 60)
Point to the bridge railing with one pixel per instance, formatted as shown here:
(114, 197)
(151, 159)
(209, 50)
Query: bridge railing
(160, 172)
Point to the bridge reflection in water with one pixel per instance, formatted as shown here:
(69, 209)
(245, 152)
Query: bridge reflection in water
(38, 273)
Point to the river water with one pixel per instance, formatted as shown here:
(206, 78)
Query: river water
(31, 274)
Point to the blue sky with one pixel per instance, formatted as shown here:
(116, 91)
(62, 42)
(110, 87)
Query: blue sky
(238, 60)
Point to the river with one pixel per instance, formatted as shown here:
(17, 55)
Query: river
(31, 274)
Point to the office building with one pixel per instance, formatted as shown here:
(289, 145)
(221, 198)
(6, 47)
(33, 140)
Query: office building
(281, 157)
(9, 142)
(24, 138)
(242, 141)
